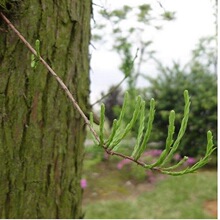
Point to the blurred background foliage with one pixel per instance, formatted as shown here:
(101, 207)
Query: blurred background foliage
(123, 189)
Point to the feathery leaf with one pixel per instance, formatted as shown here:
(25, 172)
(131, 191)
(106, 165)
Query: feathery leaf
(137, 153)
(101, 127)
(182, 129)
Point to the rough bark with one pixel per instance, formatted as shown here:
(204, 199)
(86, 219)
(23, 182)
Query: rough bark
(41, 135)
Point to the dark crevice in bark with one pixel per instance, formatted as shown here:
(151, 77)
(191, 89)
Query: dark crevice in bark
(2, 52)
(49, 166)
(69, 58)
(45, 93)
(23, 146)
(7, 200)
(39, 23)
(26, 121)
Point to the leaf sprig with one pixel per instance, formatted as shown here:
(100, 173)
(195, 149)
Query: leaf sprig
(35, 58)
(118, 133)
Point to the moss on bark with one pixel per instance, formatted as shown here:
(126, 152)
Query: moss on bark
(41, 135)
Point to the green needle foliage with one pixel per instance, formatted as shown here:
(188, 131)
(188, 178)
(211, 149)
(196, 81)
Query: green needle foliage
(102, 121)
(140, 130)
(140, 148)
(91, 120)
(119, 131)
(117, 124)
(203, 161)
(182, 128)
(169, 140)
(122, 132)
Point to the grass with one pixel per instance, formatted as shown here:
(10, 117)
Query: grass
(113, 193)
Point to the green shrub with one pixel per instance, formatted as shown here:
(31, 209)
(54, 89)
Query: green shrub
(167, 90)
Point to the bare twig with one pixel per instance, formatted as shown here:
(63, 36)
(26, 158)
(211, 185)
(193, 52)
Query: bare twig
(112, 90)
(119, 84)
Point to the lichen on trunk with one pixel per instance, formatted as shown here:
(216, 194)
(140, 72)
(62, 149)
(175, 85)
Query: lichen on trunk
(41, 135)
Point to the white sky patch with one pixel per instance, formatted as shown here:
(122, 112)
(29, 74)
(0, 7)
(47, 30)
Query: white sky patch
(194, 19)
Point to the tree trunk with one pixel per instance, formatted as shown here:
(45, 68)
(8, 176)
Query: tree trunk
(41, 135)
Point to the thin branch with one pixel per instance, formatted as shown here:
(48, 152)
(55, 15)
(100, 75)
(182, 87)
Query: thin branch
(107, 94)
(119, 84)
(138, 162)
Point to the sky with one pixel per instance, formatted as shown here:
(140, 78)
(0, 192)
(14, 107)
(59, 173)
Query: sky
(194, 19)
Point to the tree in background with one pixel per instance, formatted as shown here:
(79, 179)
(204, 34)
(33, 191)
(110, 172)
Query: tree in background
(41, 135)
(133, 45)
(131, 41)
(113, 101)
